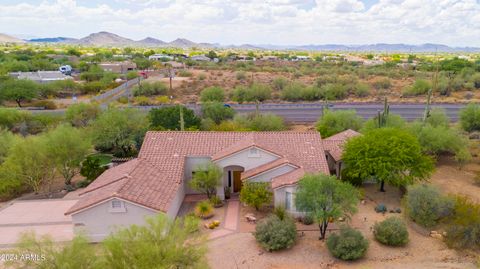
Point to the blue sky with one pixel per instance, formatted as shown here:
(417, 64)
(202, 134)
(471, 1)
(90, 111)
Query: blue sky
(451, 22)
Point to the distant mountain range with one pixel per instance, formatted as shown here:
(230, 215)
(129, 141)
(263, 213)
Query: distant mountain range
(10, 39)
(110, 39)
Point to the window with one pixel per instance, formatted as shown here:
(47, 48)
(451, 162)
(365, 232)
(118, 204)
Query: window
(117, 206)
(288, 200)
(253, 152)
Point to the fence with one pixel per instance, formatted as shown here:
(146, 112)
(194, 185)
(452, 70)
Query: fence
(124, 87)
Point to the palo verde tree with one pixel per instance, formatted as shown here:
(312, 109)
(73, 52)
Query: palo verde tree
(20, 90)
(67, 147)
(324, 198)
(389, 155)
(207, 178)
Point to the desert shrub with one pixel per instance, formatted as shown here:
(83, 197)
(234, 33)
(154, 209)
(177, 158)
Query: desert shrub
(168, 118)
(256, 194)
(280, 212)
(162, 99)
(279, 83)
(256, 92)
(470, 117)
(122, 100)
(361, 90)
(212, 94)
(348, 244)
(204, 209)
(274, 234)
(202, 76)
(437, 140)
(217, 111)
(426, 205)
(184, 73)
(131, 75)
(382, 84)
(292, 91)
(149, 89)
(307, 220)
(81, 114)
(142, 100)
(334, 122)
(47, 104)
(393, 121)
(216, 201)
(463, 229)
(476, 80)
(333, 91)
(92, 87)
(420, 87)
(260, 122)
(240, 75)
(392, 232)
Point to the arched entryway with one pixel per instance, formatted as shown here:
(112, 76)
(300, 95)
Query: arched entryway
(232, 178)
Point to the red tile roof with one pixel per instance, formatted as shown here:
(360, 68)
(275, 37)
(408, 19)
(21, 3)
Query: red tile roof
(334, 143)
(153, 179)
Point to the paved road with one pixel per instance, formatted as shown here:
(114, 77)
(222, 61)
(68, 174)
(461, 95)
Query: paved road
(310, 112)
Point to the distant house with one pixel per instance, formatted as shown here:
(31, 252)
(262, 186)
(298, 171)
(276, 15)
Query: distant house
(301, 58)
(200, 58)
(157, 181)
(118, 67)
(41, 76)
(161, 57)
(270, 58)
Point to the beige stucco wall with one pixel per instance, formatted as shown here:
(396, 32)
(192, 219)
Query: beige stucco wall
(279, 199)
(267, 176)
(98, 222)
(243, 159)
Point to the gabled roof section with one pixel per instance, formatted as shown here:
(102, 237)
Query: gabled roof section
(266, 167)
(334, 144)
(344, 135)
(289, 178)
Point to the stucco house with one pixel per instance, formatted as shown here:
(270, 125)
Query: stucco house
(158, 179)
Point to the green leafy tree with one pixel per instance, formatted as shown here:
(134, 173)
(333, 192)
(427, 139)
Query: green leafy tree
(388, 155)
(217, 111)
(78, 253)
(7, 139)
(161, 243)
(212, 94)
(82, 114)
(21, 90)
(119, 131)
(392, 121)
(67, 147)
(29, 162)
(256, 194)
(259, 122)
(334, 122)
(168, 118)
(470, 117)
(325, 198)
(91, 168)
(207, 178)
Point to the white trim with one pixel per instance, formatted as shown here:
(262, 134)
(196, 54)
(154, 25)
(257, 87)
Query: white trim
(111, 198)
(245, 149)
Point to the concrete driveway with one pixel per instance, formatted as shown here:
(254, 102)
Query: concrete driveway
(41, 216)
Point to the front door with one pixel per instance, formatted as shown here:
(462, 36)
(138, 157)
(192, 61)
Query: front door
(237, 181)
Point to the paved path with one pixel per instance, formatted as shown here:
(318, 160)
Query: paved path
(231, 220)
(41, 216)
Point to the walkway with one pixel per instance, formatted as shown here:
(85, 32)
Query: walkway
(41, 216)
(231, 220)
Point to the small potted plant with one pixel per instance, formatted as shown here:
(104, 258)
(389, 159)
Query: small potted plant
(216, 201)
(228, 192)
